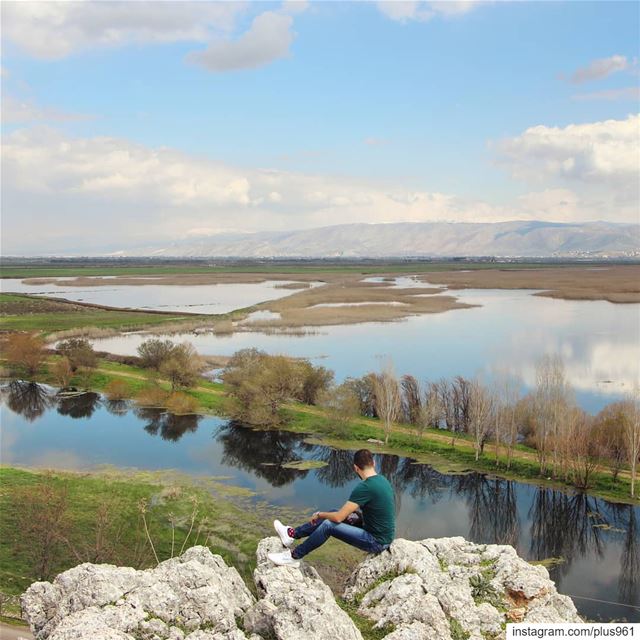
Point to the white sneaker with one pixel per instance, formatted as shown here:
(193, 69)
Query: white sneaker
(283, 532)
(283, 559)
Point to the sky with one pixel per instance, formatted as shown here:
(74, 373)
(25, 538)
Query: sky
(135, 123)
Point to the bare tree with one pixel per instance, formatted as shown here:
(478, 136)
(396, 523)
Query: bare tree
(388, 399)
(610, 435)
(552, 396)
(582, 451)
(481, 414)
(411, 399)
(461, 390)
(632, 432)
(431, 411)
(507, 389)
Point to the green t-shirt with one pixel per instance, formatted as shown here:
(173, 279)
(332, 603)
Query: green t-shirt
(375, 498)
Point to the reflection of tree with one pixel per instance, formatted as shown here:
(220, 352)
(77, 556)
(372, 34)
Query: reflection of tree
(562, 525)
(339, 469)
(493, 508)
(28, 399)
(117, 407)
(422, 480)
(168, 425)
(81, 405)
(263, 452)
(625, 517)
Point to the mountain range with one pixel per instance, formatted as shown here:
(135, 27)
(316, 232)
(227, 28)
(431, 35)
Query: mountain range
(420, 239)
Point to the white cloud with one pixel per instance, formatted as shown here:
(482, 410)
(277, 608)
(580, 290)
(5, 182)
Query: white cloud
(268, 39)
(598, 153)
(51, 30)
(598, 69)
(294, 7)
(421, 11)
(625, 93)
(24, 111)
(58, 191)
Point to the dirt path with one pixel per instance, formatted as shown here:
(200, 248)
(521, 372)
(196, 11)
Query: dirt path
(9, 632)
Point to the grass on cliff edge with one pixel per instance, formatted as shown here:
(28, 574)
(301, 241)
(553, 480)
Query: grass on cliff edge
(232, 531)
(230, 519)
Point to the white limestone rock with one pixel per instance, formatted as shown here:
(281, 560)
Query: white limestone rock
(425, 588)
(431, 589)
(194, 590)
(294, 602)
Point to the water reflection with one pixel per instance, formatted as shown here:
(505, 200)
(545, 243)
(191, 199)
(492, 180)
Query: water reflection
(263, 452)
(598, 540)
(168, 426)
(78, 405)
(28, 399)
(599, 341)
(493, 512)
(117, 407)
(626, 519)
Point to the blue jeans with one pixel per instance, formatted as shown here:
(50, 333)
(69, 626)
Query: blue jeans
(320, 532)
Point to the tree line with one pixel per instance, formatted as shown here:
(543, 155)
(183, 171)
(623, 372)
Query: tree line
(569, 443)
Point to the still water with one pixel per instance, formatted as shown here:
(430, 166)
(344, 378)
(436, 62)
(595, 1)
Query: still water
(201, 298)
(598, 341)
(598, 540)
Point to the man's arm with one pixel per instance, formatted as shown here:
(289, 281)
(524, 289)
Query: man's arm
(337, 516)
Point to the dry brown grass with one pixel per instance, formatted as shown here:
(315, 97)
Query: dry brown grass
(83, 332)
(301, 309)
(616, 283)
(182, 404)
(154, 397)
(117, 390)
(293, 285)
(302, 279)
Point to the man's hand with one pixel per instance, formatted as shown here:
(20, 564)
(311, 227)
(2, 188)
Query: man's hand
(315, 517)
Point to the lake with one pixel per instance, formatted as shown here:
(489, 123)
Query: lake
(598, 341)
(598, 540)
(200, 298)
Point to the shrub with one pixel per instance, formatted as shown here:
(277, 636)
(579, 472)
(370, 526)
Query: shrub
(117, 390)
(25, 353)
(182, 404)
(183, 366)
(61, 372)
(79, 352)
(341, 404)
(154, 352)
(152, 397)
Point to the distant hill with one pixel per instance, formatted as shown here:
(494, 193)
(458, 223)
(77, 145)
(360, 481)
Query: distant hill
(423, 239)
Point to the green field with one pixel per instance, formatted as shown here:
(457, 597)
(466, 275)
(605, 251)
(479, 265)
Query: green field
(229, 520)
(259, 267)
(29, 313)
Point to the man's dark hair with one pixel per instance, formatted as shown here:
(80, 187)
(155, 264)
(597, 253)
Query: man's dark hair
(363, 458)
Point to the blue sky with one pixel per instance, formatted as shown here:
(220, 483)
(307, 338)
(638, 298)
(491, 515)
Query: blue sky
(305, 114)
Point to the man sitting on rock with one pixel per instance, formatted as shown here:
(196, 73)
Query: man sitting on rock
(372, 532)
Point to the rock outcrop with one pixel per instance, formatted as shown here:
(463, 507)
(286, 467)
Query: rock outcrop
(448, 588)
(196, 596)
(436, 589)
